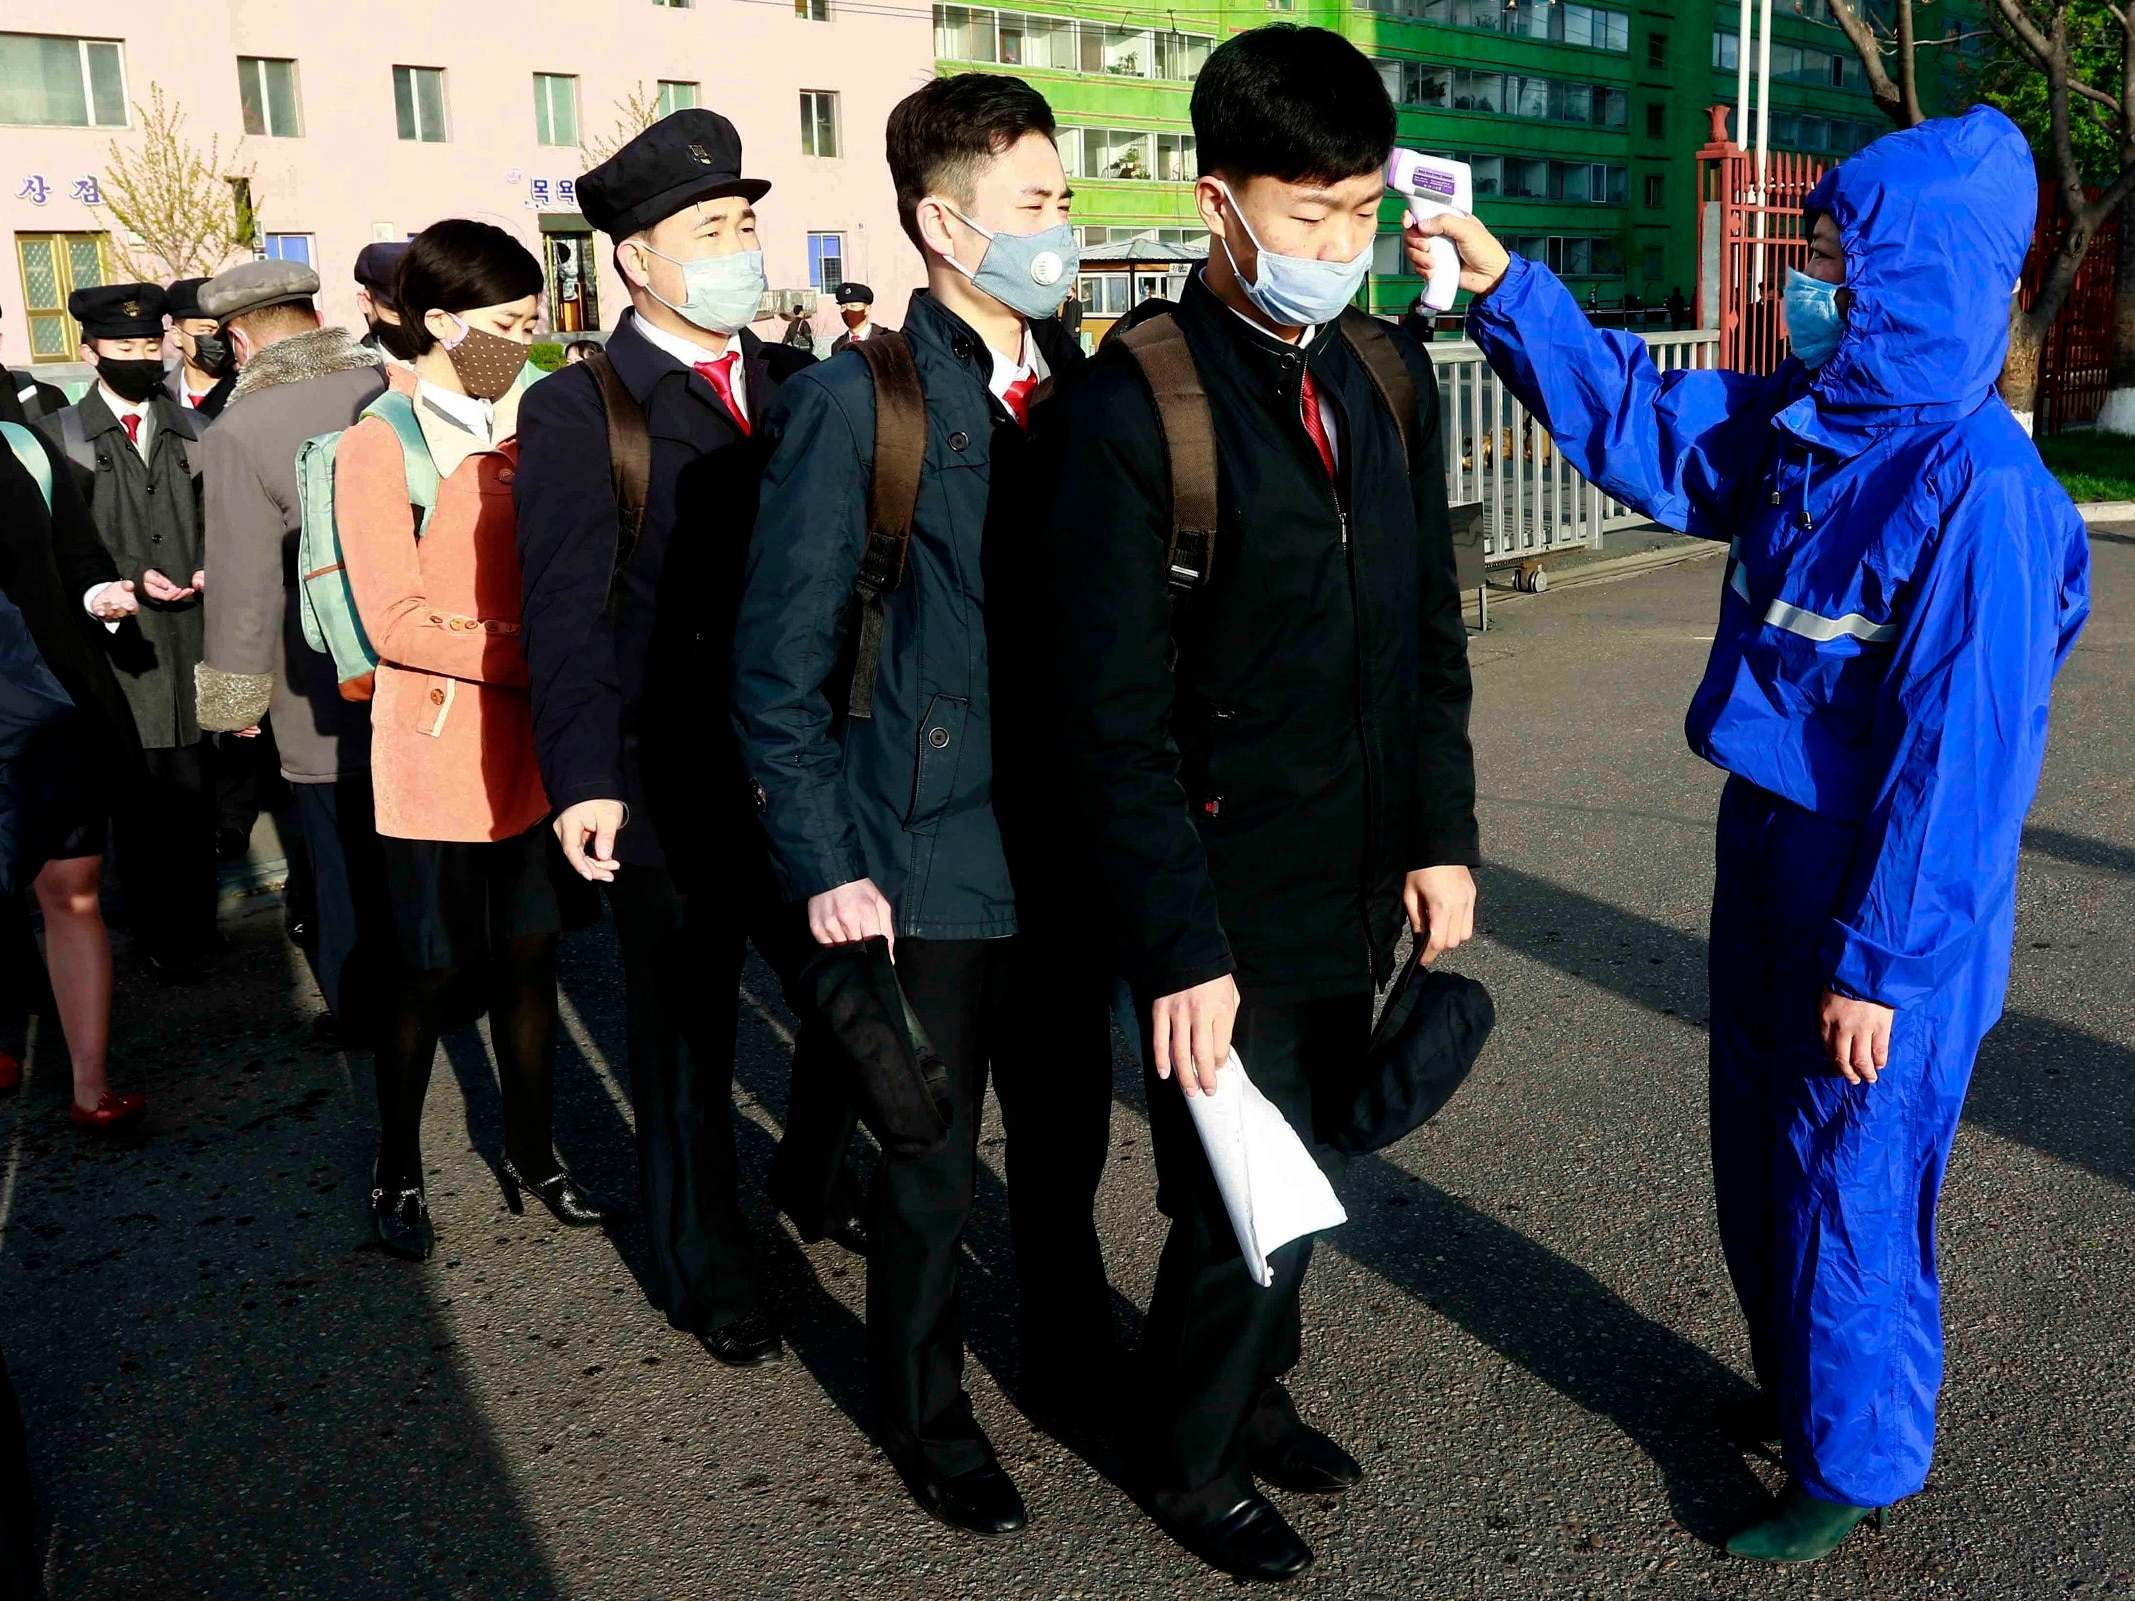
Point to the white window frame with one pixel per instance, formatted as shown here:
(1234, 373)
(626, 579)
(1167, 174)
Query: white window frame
(696, 95)
(415, 104)
(266, 101)
(81, 43)
(545, 106)
(811, 103)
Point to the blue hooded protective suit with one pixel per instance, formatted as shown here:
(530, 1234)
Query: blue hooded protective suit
(1904, 582)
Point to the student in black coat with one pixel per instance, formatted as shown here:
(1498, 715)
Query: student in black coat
(1266, 810)
(629, 695)
(59, 576)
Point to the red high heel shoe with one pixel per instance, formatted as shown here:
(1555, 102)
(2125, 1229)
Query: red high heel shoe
(111, 1112)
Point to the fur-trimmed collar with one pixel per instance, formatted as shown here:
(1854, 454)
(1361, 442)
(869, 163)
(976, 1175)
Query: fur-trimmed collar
(302, 356)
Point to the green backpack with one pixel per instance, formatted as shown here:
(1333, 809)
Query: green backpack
(31, 454)
(325, 601)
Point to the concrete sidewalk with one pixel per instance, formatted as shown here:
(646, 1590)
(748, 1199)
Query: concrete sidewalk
(1524, 1331)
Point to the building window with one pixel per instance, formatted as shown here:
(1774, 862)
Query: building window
(676, 95)
(556, 109)
(1656, 191)
(1656, 50)
(1533, 178)
(419, 103)
(1656, 121)
(1421, 83)
(1128, 153)
(826, 260)
(674, 5)
(819, 122)
(1650, 266)
(812, 10)
(1570, 256)
(54, 265)
(290, 247)
(61, 83)
(267, 90)
(1024, 39)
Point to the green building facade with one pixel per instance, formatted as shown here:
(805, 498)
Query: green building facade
(1582, 120)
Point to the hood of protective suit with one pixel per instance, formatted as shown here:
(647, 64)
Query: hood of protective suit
(1936, 221)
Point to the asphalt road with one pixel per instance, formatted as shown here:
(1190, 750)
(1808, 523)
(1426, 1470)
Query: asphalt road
(1524, 1330)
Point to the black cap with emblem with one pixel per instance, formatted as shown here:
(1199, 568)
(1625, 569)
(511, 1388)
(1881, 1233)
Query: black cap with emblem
(688, 156)
(853, 294)
(182, 299)
(118, 311)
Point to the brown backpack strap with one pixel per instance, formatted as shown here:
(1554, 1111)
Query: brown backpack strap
(892, 495)
(1370, 343)
(629, 461)
(1158, 346)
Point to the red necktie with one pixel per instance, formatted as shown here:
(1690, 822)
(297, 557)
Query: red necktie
(1315, 425)
(1016, 397)
(720, 375)
(132, 420)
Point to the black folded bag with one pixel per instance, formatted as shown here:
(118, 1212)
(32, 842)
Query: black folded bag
(903, 1089)
(1429, 1036)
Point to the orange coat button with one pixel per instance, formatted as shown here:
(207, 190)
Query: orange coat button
(437, 697)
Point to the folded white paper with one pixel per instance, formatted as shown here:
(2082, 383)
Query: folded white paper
(1271, 1187)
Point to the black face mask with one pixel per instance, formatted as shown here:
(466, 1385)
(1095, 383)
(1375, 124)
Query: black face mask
(392, 338)
(211, 354)
(132, 381)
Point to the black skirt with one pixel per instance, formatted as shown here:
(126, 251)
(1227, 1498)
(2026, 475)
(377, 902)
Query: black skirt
(456, 900)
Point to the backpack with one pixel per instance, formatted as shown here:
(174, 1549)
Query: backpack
(629, 462)
(31, 454)
(326, 603)
(1158, 348)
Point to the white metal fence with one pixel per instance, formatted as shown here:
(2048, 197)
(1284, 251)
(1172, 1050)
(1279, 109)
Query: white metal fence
(1533, 502)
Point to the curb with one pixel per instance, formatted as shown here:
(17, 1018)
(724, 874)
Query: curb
(2107, 511)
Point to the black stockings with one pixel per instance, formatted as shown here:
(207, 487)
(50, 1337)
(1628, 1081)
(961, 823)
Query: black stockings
(522, 1032)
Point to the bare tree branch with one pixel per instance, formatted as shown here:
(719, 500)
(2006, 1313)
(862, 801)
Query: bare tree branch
(1861, 35)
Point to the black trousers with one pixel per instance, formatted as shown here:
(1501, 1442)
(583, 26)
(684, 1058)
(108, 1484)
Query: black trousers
(1046, 1036)
(355, 960)
(164, 834)
(682, 964)
(1216, 1345)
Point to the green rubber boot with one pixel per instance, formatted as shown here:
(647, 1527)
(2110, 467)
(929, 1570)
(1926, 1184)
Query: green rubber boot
(1805, 1529)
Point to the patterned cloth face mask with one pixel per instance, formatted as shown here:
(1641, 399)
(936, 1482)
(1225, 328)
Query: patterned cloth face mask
(486, 364)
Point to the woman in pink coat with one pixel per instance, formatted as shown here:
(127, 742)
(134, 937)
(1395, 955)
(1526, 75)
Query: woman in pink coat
(477, 884)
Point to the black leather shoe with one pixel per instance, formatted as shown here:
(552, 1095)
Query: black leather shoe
(1307, 1463)
(850, 1232)
(567, 1202)
(400, 1218)
(1251, 1541)
(747, 1342)
(983, 1501)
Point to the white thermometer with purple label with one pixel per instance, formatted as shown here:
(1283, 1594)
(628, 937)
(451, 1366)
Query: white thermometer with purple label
(1434, 185)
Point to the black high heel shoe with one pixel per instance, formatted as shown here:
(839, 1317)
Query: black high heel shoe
(400, 1218)
(567, 1202)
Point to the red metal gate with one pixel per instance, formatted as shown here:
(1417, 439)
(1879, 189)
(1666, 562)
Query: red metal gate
(2075, 366)
(1749, 240)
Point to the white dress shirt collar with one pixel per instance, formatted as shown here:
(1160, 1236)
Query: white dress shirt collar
(688, 354)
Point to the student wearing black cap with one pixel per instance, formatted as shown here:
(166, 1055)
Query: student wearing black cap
(627, 646)
(856, 306)
(377, 266)
(135, 455)
(207, 368)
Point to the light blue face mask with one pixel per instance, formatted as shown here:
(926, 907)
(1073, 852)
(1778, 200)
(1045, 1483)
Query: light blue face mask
(720, 293)
(1814, 323)
(1026, 272)
(1296, 291)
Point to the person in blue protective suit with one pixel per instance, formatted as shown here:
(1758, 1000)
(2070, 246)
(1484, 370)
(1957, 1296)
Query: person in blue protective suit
(1905, 581)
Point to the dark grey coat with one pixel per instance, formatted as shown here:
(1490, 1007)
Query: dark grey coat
(148, 515)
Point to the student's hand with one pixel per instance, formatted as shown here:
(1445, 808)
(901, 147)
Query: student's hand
(1193, 1033)
(162, 590)
(247, 733)
(1441, 908)
(200, 580)
(851, 913)
(1856, 1036)
(587, 833)
(1483, 261)
(114, 601)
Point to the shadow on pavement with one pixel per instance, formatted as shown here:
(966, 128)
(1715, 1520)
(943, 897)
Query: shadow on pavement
(2079, 851)
(202, 1345)
(2056, 1089)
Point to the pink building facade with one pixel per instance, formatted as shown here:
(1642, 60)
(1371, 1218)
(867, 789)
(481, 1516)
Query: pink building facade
(368, 121)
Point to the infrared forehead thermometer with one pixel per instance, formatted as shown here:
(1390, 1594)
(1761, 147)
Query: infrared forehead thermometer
(1434, 185)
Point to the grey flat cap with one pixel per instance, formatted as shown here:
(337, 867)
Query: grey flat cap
(253, 284)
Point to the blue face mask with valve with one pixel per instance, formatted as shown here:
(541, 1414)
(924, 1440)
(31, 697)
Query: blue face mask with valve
(1296, 291)
(1029, 273)
(1814, 322)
